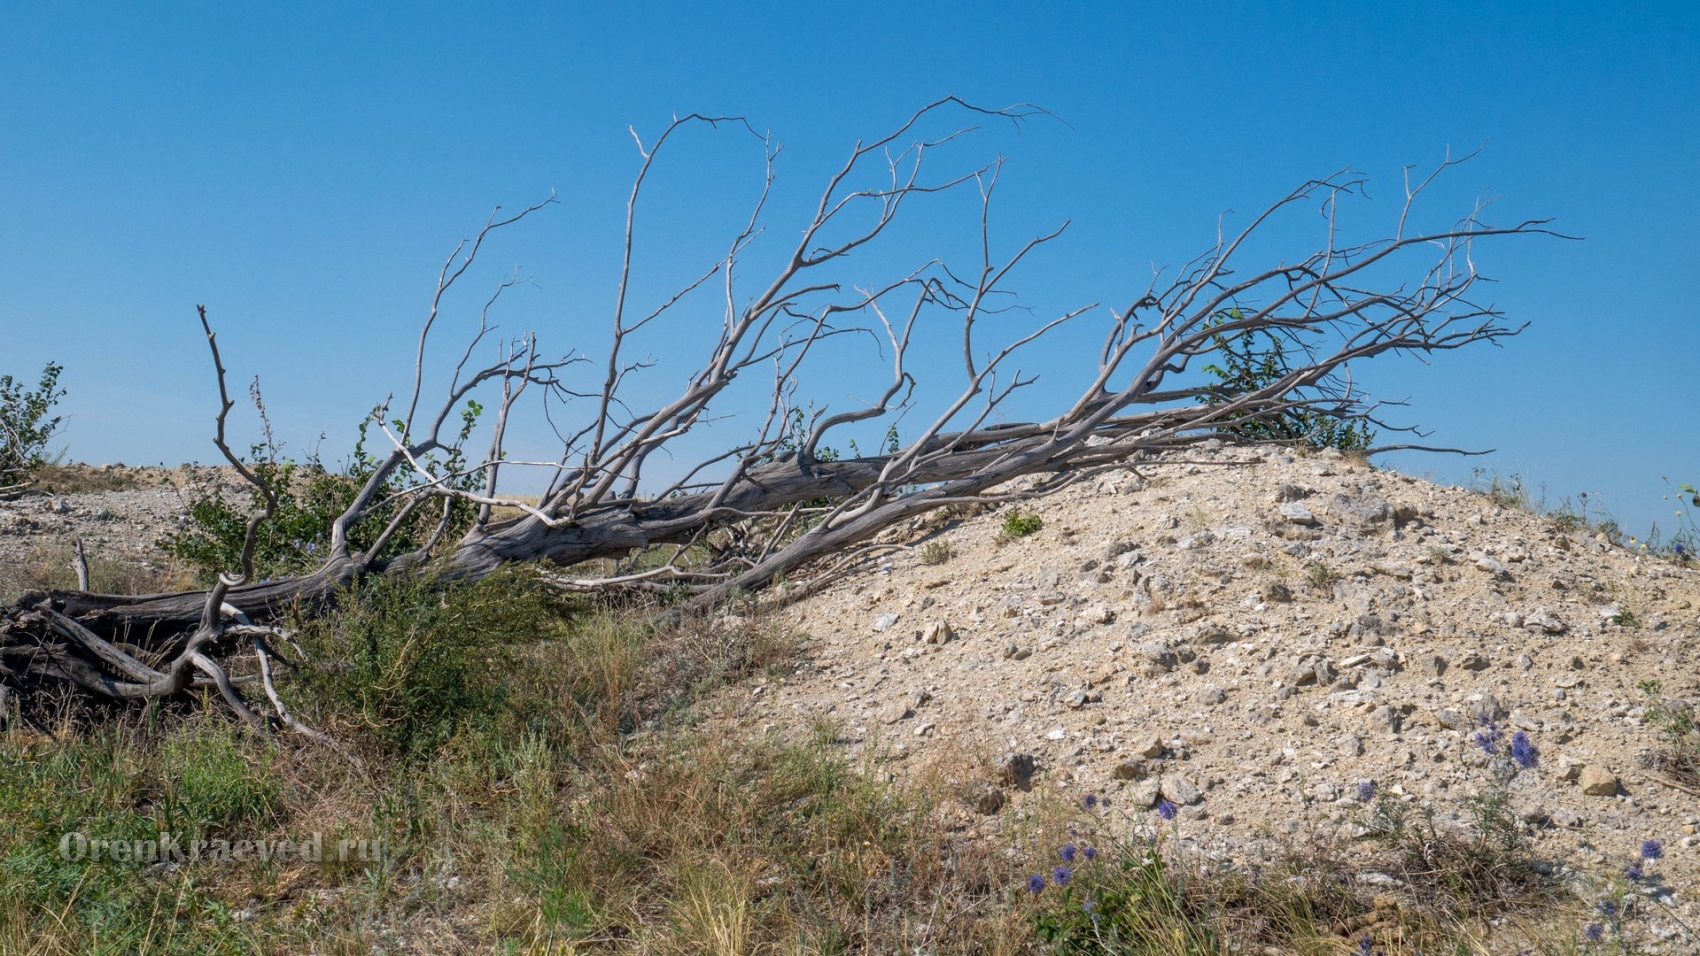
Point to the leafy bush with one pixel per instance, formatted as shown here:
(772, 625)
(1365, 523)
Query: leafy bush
(309, 498)
(1255, 358)
(24, 425)
(1020, 524)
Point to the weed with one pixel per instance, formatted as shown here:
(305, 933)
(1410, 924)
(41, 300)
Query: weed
(1320, 576)
(1681, 756)
(937, 552)
(1020, 524)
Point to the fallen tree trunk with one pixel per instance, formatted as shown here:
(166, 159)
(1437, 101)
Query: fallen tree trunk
(785, 501)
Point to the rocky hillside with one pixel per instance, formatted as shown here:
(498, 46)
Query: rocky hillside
(1252, 635)
(1248, 634)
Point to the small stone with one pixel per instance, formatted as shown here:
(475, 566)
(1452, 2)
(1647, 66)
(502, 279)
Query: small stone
(1487, 710)
(1351, 745)
(1473, 661)
(1142, 795)
(1433, 665)
(1116, 549)
(1014, 768)
(1056, 733)
(1076, 698)
(940, 632)
(1543, 621)
(1302, 676)
(1213, 635)
(1158, 654)
(1490, 565)
(1098, 614)
(884, 621)
(1212, 694)
(1180, 790)
(1129, 770)
(1597, 781)
(1451, 719)
(984, 798)
(1295, 512)
(1275, 591)
(1195, 542)
(1325, 792)
(1150, 747)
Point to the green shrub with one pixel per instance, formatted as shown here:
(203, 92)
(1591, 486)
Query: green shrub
(1256, 358)
(1020, 524)
(24, 425)
(937, 552)
(309, 498)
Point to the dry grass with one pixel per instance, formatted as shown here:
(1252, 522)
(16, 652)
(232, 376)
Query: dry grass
(50, 566)
(550, 778)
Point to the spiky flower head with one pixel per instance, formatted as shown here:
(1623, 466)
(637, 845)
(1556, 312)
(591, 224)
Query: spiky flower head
(1067, 853)
(1062, 875)
(1488, 737)
(1652, 850)
(1523, 751)
(1166, 809)
(1035, 884)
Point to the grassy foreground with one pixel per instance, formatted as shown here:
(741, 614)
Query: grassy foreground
(525, 775)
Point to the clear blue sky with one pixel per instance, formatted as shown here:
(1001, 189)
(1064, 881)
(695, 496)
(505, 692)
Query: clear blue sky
(303, 169)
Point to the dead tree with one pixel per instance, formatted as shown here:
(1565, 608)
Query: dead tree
(1331, 307)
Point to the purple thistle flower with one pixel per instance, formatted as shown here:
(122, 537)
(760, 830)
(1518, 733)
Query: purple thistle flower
(1090, 801)
(1067, 853)
(1523, 751)
(1035, 884)
(1488, 738)
(1062, 875)
(1594, 932)
(1366, 791)
(1365, 944)
(1633, 873)
(1608, 907)
(1166, 810)
(1091, 852)
(1652, 850)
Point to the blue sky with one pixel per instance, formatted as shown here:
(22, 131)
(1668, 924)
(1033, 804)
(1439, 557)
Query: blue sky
(303, 169)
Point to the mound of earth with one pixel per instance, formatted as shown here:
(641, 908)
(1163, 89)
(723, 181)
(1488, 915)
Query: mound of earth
(119, 512)
(1251, 634)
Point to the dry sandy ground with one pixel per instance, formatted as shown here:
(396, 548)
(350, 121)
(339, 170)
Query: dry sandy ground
(1252, 634)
